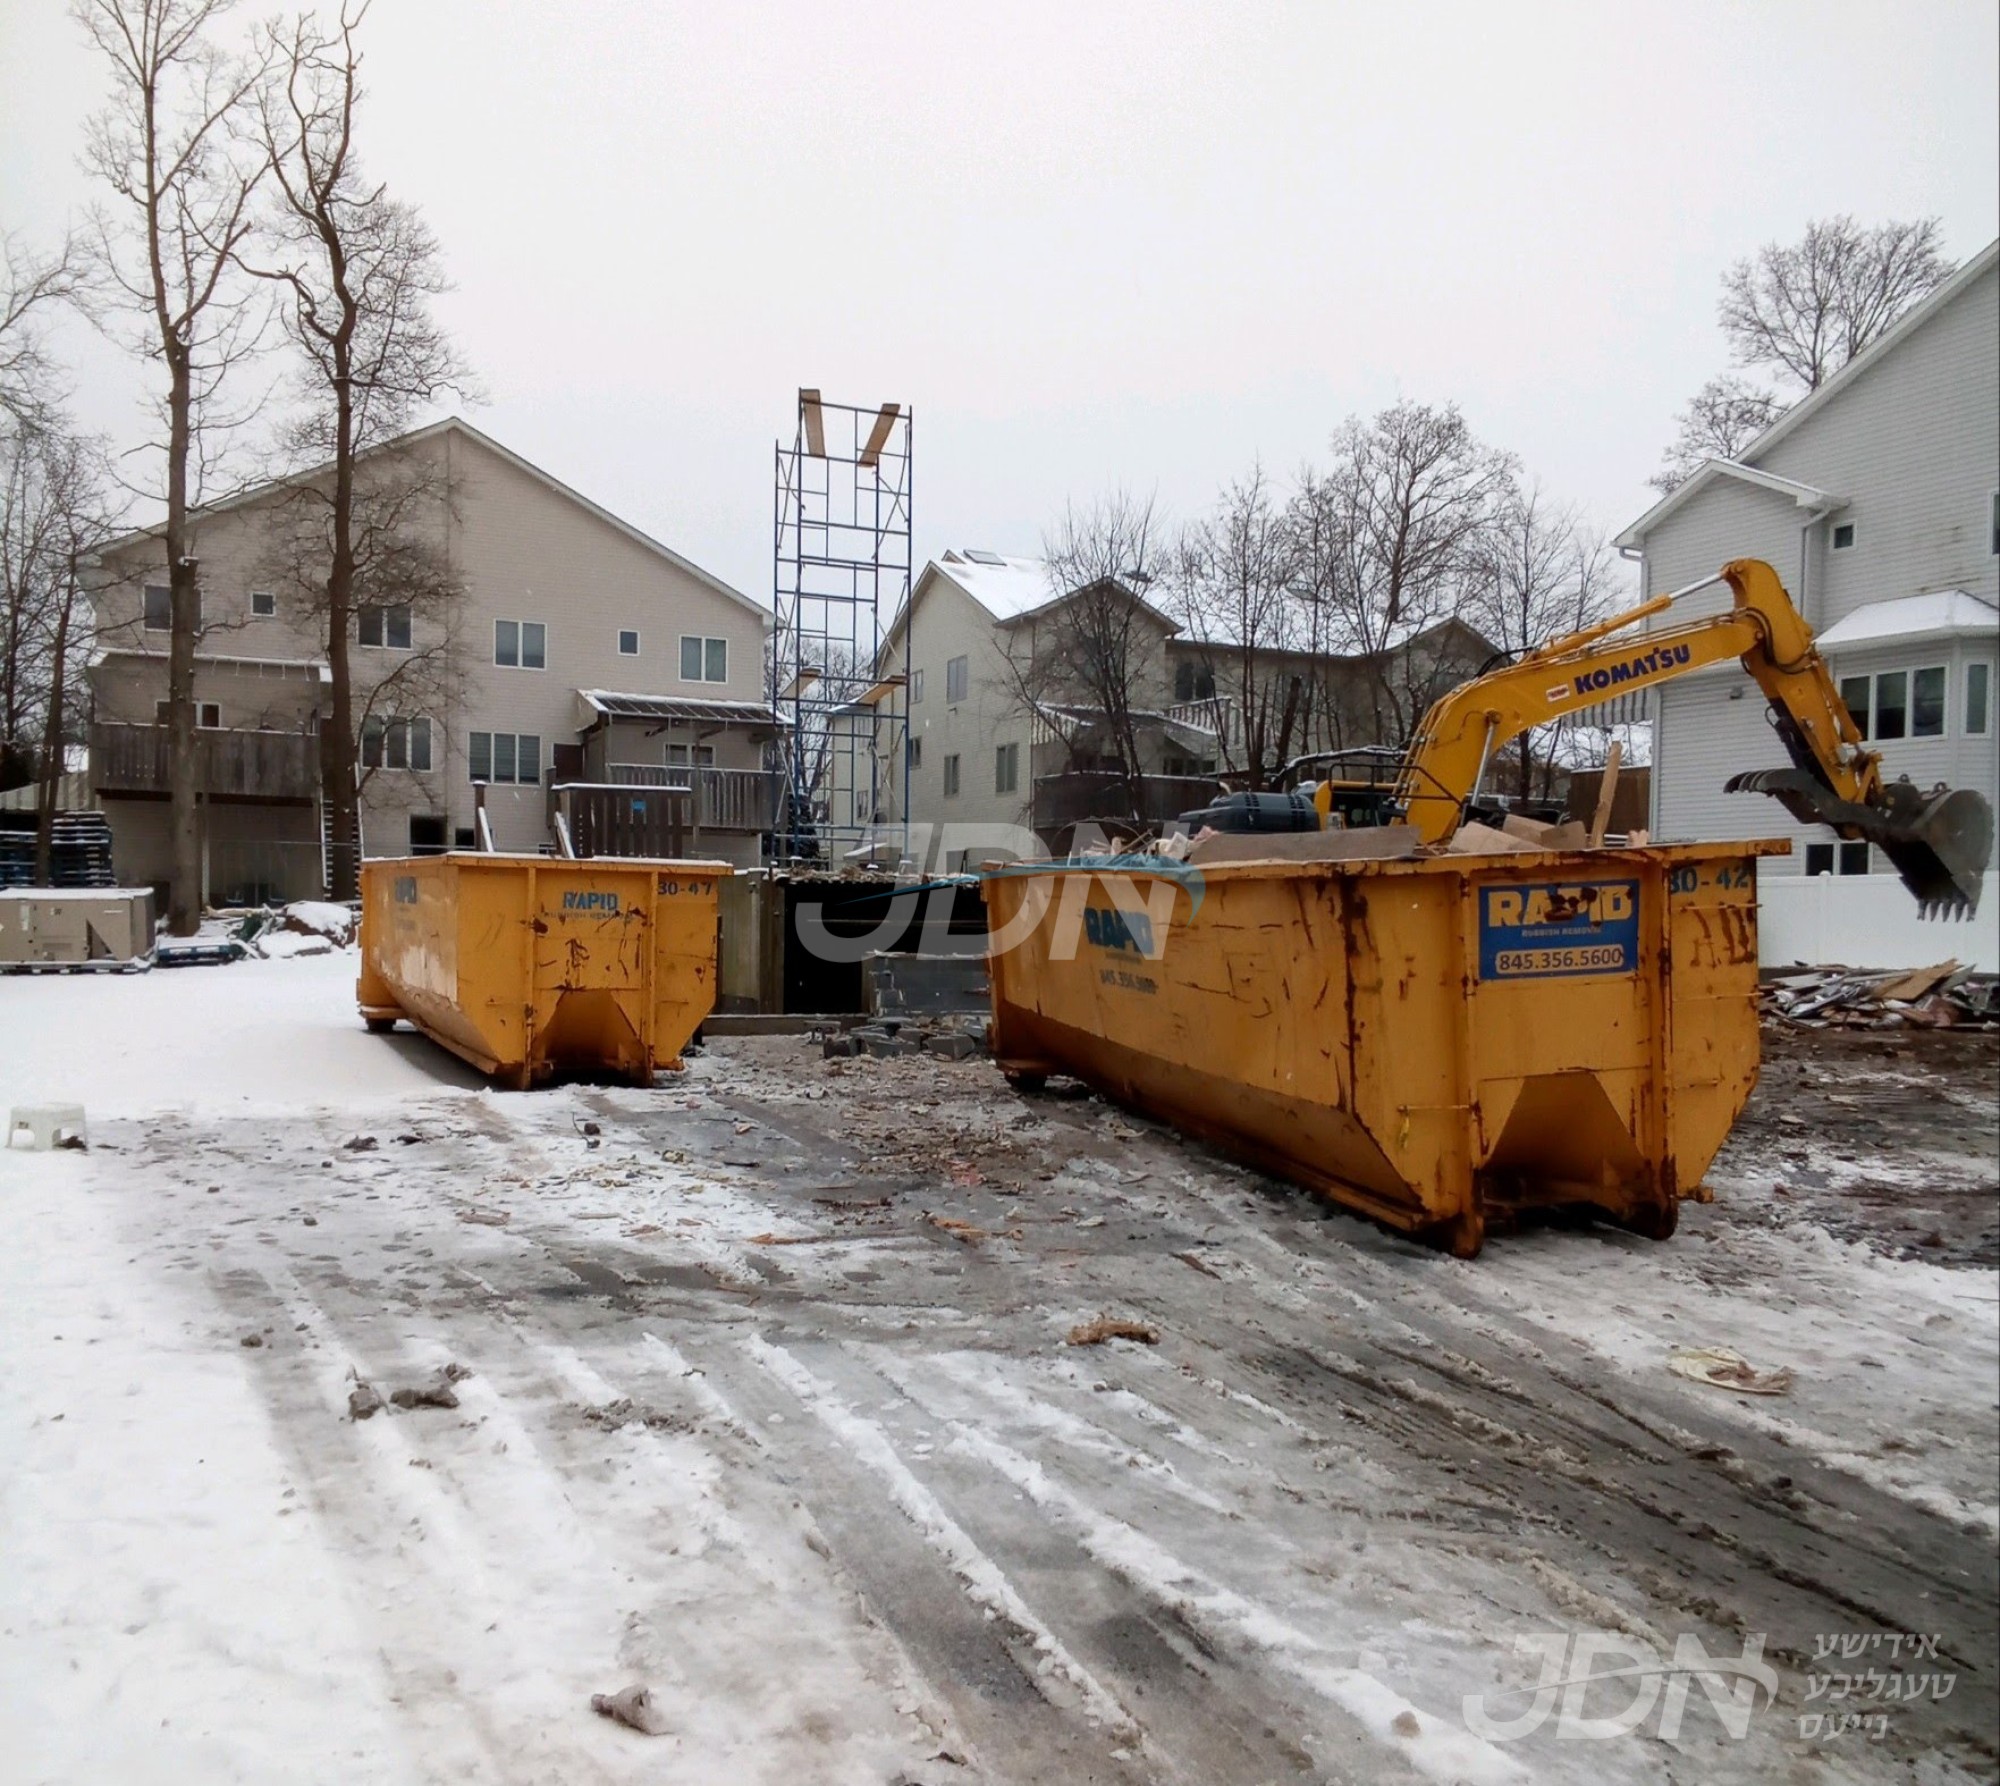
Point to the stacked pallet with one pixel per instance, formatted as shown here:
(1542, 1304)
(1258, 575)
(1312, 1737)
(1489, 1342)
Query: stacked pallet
(79, 856)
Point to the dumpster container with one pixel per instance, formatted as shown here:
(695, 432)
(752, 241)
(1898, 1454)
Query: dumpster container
(530, 965)
(1438, 1042)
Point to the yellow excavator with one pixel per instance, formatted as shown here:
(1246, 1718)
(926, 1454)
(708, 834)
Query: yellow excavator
(1939, 840)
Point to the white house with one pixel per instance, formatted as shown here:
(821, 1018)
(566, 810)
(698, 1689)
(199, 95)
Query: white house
(1877, 499)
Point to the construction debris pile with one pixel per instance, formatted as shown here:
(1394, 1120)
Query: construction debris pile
(1942, 997)
(949, 1036)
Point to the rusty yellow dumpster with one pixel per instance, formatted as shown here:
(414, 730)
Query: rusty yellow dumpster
(527, 966)
(1441, 1043)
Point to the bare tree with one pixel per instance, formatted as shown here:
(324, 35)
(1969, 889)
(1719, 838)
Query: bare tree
(1720, 420)
(1387, 538)
(358, 271)
(181, 186)
(1805, 308)
(1540, 574)
(31, 286)
(1079, 666)
(1234, 577)
(53, 509)
(1800, 311)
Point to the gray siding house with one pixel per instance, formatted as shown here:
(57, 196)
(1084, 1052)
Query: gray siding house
(1877, 499)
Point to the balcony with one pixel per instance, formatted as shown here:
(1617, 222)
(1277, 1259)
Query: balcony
(1061, 801)
(723, 799)
(229, 765)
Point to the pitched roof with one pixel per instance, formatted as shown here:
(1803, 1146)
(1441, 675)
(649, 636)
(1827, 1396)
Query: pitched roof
(1009, 589)
(1744, 465)
(1806, 496)
(459, 425)
(1938, 614)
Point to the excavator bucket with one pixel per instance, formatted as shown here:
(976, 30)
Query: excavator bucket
(1939, 841)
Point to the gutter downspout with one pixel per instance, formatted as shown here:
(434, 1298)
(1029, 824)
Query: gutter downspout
(1638, 557)
(1813, 518)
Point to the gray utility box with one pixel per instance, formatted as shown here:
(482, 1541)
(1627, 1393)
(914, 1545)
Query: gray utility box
(72, 927)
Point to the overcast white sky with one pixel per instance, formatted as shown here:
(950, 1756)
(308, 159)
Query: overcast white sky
(1096, 244)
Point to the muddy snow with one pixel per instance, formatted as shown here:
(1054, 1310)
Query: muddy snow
(766, 1402)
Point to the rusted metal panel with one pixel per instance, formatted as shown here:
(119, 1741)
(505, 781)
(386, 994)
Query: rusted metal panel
(1442, 1043)
(527, 966)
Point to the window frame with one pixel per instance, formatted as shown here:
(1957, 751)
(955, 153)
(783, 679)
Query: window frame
(521, 630)
(1007, 768)
(706, 648)
(1838, 544)
(632, 633)
(916, 686)
(1984, 667)
(380, 613)
(1868, 718)
(951, 775)
(916, 750)
(265, 613)
(148, 591)
(957, 680)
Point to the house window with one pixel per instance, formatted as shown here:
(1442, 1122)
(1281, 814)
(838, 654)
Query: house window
(704, 660)
(386, 628)
(916, 685)
(521, 644)
(263, 604)
(1978, 679)
(1854, 697)
(505, 757)
(1193, 681)
(1993, 543)
(1892, 705)
(207, 714)
(159, 610)
(391, 743)
(682, 758)
(951, 776)
(1841, 858)
(956, 679)
(1006, 768)
(917, 752)
(1927, 703)
(426, 834)
(628, 643)
(1843, 536)
(1898, 703)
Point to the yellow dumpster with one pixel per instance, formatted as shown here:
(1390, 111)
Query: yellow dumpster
(527, 965)
(1441, 1043)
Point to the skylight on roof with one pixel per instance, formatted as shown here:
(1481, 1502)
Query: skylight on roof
(978, 557)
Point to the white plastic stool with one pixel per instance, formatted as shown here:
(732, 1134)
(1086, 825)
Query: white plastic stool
(48, 1125)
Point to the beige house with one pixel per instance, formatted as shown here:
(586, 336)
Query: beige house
(997, 721)
(545, 641)
(1002, 733)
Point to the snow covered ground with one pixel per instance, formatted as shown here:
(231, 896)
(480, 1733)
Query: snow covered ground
(770, 1408)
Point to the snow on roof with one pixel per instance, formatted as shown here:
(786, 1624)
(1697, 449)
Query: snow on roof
(1940, 614)
(1005, 587)
(611, 704)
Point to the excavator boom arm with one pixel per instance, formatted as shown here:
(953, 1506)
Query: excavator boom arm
(1939, 843)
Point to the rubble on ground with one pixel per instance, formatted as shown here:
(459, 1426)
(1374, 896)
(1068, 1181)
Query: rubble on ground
(1945, 996)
